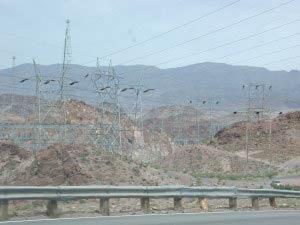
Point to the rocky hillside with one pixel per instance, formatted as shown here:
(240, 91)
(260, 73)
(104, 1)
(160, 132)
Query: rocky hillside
(16, 108)
(78, 164)
(203, 159)
(13, 160)
(280, 146)
(181, 122)
(79, 113)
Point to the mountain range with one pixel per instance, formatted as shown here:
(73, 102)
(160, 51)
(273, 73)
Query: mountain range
(203, 81)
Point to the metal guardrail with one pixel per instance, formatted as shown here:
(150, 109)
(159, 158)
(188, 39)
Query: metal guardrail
(267, 193)
(79, 192)
(104, 193)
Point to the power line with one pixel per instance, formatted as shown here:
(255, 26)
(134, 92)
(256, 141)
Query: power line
(268, 63)
(281, 60)
(194, 20)
(269, 53)
(81, 89)
(177, 27)
(272, 62)
(171, 30)
(93, 91)
(88, 90)
(231, 42)
(217, 47)
(132, 46)
(256, 46)
(290, 35)
(265, 54)
(209, 33)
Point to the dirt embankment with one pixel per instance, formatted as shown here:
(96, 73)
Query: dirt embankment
(12, 159)
(203, 159)
(277, 140)
(98, 120)
(82, 164)
(179, 122)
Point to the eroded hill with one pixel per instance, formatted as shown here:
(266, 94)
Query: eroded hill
(203, 159)
(276, 141)
(79, 164)
(84, 124)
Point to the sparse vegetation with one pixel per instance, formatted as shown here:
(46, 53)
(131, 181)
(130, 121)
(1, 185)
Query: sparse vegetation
(232, 176)
(82, 201)
(287, 187)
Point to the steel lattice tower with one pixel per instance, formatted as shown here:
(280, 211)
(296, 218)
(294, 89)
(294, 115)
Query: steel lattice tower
(109, 134)
(13, 67)
(138, 111)
(67, 58)
(51, 122)
(256, 110)
(37, 122)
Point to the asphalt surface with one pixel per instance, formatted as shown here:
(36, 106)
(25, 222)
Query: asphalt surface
(234, 218)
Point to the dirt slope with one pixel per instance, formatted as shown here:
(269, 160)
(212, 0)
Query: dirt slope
(207, 159)
(178, 122)
(284, 140)
(12, 158)
(79, 113)
(80, 164)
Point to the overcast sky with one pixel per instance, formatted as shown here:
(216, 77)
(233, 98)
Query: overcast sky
(35, 29)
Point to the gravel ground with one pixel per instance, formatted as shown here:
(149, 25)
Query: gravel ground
(89, 208)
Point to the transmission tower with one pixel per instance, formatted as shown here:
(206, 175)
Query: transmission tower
(48, 122)
(197, 131)
(211, 103)
(13, 69)
(109, 134)
(37, 123)
(51, 121)
(13, 65)
(138, 128)
(256, 100)
(67, 57)
(256, 110)
(134, 116)
(138, 112)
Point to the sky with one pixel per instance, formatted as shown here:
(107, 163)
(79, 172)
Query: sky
(35, 29)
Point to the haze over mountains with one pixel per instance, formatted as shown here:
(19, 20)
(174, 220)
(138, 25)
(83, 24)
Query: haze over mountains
(172, 86)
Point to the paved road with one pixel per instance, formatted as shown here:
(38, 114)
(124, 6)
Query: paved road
(234, 218)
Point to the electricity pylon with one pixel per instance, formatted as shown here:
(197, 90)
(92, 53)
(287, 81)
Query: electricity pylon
(109, 135)
(256, 110)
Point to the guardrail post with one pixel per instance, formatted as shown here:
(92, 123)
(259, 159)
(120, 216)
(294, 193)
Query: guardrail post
(203, 203)
(104, 206)
(4, 210)
(178, 204)
(145, 204)
(233, 203)
(273, 203)
(52, 209)
(255, 203)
